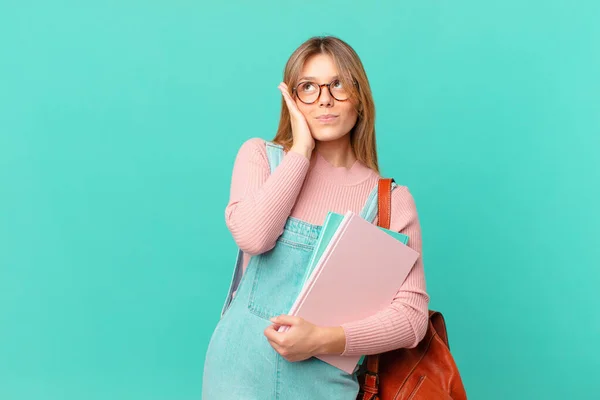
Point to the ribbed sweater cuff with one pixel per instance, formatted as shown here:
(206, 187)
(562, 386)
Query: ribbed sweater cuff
(297, 161)
(382, 332)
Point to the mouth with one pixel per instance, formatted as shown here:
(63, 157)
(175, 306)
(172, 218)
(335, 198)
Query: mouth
(327, 118)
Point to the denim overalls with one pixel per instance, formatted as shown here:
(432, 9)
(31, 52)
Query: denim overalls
(240, 363)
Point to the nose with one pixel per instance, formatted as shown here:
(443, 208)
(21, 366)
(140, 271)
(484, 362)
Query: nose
(325, 98)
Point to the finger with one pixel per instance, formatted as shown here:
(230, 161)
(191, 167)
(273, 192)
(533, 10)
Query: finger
(282, 351)
(286, 320)
(272, 334)
(285, 87)
(288, 99)
(274, 327)
(276, 347)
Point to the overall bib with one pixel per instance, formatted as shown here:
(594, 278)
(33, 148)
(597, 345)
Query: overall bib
(240, 363)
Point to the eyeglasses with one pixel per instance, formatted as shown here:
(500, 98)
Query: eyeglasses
(309, 92)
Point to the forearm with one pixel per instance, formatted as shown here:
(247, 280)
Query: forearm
(387, 330)
(258, 210)
(402, 324)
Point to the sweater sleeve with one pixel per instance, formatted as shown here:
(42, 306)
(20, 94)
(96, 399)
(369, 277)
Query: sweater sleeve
(260, 202)
(404, 322)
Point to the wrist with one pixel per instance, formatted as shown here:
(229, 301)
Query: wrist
(303, 150)
(331, 340)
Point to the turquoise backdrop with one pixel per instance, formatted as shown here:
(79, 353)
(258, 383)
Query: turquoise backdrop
(119, 124)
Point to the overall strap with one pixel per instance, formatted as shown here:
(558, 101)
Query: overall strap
(274, 154)
(235, 280)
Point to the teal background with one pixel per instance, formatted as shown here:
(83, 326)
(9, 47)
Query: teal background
(119, 124)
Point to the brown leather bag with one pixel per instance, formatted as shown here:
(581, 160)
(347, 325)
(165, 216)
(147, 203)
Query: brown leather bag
(427, 371)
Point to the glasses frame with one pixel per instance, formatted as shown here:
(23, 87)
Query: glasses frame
(295, 90)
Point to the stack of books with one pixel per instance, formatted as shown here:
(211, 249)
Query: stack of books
(355, 271)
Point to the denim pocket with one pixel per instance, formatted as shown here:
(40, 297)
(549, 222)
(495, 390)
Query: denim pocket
(278, 278)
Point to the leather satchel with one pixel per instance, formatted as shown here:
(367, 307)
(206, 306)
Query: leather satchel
(427, 371)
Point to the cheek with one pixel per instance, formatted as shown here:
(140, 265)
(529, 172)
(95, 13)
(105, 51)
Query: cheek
(351, 116)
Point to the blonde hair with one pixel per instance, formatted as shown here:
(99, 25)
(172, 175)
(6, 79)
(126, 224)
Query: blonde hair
(352, 74)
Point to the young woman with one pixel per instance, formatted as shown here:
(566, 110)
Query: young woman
(323, 158)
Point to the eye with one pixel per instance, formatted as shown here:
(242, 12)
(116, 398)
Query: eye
(307, 87)
(337, 84)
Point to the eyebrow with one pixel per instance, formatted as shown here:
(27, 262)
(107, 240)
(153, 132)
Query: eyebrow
(312, 78)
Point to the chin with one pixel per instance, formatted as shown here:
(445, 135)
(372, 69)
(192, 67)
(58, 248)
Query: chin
(328, 135)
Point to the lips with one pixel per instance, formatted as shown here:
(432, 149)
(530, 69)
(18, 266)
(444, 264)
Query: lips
(327, 117)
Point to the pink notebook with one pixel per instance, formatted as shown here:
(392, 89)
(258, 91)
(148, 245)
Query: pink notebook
(358, 275)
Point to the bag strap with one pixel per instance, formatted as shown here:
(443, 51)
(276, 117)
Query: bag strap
(384, 216)
(439, 325)
(384, 198)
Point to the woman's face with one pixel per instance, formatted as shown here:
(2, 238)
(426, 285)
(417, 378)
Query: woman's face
(328, 119)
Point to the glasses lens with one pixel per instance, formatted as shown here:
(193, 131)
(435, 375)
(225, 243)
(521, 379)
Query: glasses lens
(339, 91)
(308, 92)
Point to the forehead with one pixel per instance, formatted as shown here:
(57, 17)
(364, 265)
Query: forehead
(320, 66)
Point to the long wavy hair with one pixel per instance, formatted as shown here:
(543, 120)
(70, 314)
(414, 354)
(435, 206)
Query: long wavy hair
(352, 75)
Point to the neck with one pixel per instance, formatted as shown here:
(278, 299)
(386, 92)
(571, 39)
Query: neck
(337, 152)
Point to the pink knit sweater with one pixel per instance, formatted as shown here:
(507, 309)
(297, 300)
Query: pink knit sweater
(260, 203)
